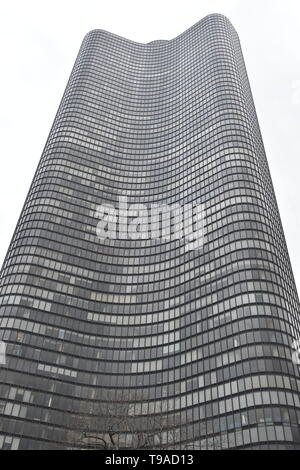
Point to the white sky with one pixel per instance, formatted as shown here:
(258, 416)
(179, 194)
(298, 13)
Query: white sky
(39, 43)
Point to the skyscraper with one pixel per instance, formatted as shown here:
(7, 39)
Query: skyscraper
(184, 348)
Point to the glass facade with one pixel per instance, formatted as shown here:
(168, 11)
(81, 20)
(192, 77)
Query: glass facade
(197, 342)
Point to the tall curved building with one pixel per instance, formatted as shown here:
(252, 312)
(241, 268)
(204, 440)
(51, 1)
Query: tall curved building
(183, 348)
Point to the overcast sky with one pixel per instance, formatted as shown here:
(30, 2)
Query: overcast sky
(39, 43)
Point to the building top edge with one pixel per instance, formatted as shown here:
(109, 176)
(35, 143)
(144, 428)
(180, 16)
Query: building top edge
(161, 41)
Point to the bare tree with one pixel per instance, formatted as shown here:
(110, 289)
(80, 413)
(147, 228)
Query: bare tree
(115, 425)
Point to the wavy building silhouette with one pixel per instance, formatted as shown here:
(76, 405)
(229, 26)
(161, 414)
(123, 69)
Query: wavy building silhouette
(140, 343)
